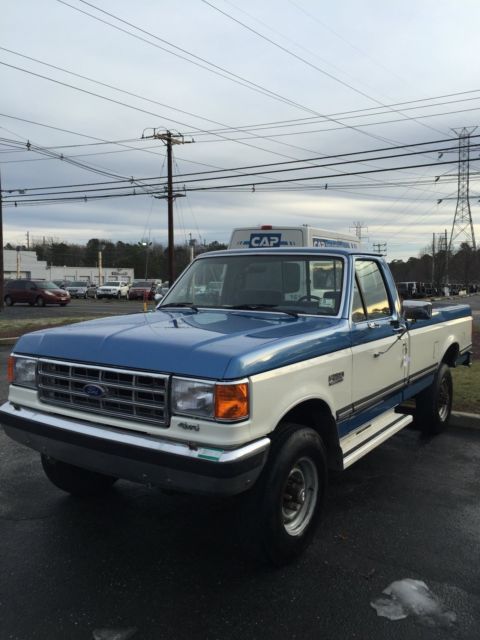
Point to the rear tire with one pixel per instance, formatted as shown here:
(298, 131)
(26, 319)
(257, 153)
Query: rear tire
(75, 480)
(289, 495)
(8, 301)
(434, 404)
(40, 302)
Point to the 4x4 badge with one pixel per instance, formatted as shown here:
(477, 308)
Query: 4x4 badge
(335, 378)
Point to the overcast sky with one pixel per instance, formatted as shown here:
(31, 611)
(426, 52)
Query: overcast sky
(282, 63)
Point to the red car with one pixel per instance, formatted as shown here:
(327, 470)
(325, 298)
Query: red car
(38, 292)
(142, 289)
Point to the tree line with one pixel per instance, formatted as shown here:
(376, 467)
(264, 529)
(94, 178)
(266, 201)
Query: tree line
(151, 261)
(461, 267)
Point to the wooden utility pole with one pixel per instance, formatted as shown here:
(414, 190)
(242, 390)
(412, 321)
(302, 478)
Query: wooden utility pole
(1, 246)
(169, 139)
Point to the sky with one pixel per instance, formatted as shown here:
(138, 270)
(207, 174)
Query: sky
(242, 84)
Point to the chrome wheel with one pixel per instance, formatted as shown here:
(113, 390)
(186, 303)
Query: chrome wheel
(444, 400)
(300, 496)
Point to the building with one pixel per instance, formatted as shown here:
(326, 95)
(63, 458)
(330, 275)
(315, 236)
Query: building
(24, 264)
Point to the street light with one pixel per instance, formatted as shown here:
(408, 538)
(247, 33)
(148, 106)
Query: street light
(146, 245)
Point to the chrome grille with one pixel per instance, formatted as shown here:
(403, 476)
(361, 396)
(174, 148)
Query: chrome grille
(132, 395)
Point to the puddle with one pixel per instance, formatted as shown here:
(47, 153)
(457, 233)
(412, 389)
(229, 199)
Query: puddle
(410, 597)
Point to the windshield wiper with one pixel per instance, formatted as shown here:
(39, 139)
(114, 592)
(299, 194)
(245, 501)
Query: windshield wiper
(189, 305)
(264, 307)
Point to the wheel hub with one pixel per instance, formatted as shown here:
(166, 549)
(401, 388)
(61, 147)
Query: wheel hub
(300, 496)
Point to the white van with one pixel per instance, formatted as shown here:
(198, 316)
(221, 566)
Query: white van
(302, 236)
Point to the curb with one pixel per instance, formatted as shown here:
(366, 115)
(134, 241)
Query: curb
(465, 420)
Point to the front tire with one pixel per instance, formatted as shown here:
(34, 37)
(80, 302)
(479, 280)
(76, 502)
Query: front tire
(434, 404)
(40, 302)
(75, 480)
(290, 493)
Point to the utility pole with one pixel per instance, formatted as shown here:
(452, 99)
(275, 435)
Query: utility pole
(380, 247)
(169, 140)
(433, 260)
(462, 221)
(358, 226)
(1, 246)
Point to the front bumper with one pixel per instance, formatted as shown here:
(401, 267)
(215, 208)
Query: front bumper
(137, 457)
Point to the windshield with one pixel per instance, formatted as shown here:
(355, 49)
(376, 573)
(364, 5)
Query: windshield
(112, 284)
(78, 284)
(301, 284)
(142, 284)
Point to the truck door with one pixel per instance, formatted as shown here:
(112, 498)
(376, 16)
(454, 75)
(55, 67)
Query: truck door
(379, 342)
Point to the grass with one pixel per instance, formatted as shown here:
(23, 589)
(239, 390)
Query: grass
(14, 328)
(466, 388)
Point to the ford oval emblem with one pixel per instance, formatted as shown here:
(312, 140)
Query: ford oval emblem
(94, 390)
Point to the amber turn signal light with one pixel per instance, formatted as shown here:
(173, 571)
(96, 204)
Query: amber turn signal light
(10, 369)
(231, 401)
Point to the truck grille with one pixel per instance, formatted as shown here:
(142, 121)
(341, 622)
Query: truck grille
(132, 395)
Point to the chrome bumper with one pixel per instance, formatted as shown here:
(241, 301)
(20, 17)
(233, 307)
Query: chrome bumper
(137, 457)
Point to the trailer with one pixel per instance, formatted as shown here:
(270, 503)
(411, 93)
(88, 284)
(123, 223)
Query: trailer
(268, 236)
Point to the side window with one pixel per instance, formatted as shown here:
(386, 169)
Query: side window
(373, 289)
(358, 310)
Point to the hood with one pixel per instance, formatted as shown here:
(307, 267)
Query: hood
(210, 344)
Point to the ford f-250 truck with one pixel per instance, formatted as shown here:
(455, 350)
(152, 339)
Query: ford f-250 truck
(296, 362)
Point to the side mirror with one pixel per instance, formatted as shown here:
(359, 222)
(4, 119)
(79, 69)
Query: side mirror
(417, 310)
(158, 297)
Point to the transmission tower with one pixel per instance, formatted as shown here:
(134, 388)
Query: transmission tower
(359, 227)
(462, 222)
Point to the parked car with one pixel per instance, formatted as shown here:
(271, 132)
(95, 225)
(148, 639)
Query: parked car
(113, 289)
(142, 289)
(92, 291)
(61, 284)
(77, 289)
(34, 292)
(160, 292)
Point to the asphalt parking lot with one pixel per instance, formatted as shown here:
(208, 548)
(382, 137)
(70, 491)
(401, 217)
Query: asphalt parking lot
(147, 565)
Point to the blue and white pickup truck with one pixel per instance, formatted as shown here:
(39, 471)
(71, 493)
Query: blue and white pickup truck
(260, 371)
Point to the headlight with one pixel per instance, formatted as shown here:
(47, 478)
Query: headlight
(192, 398)
(22, 371)
(214, 401)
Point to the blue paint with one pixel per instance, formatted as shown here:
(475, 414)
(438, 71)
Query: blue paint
(208, 344)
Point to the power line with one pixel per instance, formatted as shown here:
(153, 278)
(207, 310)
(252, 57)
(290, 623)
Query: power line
(267, 168)
(304, 178)
(308, 63)
(262, 89)
(346, 158)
